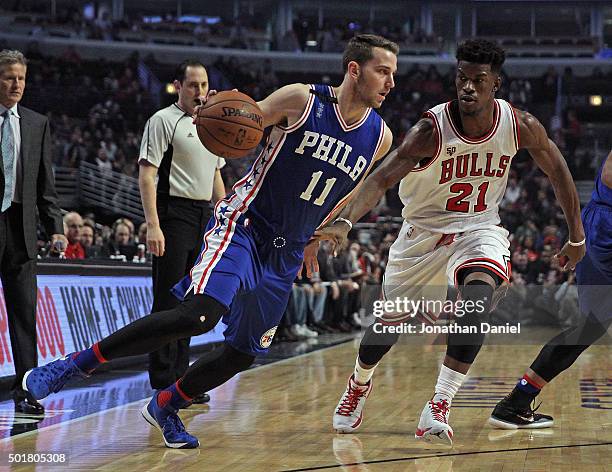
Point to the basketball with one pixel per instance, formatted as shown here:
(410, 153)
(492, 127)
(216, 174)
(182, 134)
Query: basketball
(230, 124)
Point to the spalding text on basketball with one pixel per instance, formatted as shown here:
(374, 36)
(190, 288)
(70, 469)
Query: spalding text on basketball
(231, 111)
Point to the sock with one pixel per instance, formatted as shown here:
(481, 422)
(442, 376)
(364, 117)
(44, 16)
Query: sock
(525, 391)
(527, 385)
(88, 359)
(173, 398)
(448, 383)
(363, 376)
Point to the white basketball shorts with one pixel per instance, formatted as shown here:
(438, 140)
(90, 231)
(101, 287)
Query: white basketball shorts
(422, 264)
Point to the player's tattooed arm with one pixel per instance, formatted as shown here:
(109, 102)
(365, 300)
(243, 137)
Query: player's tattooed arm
(549, 159)
(284, 106)
(420, 143)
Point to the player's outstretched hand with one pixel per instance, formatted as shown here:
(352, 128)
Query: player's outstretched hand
(336, 234)
(310, 259)
(156, 243)
(573, 253)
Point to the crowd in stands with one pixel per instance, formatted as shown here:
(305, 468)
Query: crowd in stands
(101, 119)
(88, 239)
(240, 32)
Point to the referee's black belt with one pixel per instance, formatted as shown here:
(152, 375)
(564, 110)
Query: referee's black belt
(188, 201)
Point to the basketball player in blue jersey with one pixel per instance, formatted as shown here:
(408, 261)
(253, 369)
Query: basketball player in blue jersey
(594, 278)
(453, 170)
(323, 142)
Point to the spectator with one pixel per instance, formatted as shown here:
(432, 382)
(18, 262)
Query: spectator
(121, 243)
(89, 241)
(74, 223)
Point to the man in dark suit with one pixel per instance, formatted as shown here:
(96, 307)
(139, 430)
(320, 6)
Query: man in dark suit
(26, 183)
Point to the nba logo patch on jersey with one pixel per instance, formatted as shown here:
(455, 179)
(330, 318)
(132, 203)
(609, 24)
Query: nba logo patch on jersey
(409, 231)
(266, 338)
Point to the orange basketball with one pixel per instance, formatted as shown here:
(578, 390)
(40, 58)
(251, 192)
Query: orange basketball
(230, 124)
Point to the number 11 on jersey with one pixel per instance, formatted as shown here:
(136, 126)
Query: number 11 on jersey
(307, 194)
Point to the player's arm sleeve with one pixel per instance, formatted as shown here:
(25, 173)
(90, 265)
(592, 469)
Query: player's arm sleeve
(155, 140)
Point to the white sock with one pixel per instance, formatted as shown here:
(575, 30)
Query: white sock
(449, 382)
(362, 376)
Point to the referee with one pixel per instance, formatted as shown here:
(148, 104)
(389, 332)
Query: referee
(179, 207)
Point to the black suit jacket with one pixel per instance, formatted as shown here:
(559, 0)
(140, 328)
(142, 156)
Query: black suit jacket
(38, 180)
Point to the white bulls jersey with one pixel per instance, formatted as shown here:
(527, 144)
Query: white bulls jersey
(461, 187)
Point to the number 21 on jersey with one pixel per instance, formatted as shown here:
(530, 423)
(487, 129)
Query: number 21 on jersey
(463, 190)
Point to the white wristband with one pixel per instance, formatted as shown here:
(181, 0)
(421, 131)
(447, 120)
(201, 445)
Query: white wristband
(344, 220)
(581, 243)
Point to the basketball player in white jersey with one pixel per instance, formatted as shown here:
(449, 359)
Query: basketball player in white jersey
(453, 166)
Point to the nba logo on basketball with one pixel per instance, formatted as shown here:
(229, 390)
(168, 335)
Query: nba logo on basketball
(267, 337)
(451, 150)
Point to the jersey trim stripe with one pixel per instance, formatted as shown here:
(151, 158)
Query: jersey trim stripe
(429, 114)
(515, 124)
(260, 179)
(367, 171)
(485, 262)
(343, 124)
(302, 119)
(203, 257)
(468, 140)
(235, 214)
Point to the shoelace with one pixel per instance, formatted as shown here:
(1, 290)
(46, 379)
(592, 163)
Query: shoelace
(350, 400)
(174, 425)
(530, 410)
(58, 375)
(439, 410)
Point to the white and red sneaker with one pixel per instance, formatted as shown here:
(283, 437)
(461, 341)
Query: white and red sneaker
(349, 412)
(433, 424)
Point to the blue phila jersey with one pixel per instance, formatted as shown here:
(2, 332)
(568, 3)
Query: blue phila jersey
(602, 194)
(309, 168)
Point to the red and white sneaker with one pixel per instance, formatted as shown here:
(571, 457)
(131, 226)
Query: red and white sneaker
(349, 412)
(433, 424)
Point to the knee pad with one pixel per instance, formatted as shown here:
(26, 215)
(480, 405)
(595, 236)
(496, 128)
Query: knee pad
(374, 345)
(200, 313)
(479, 294)
(476, 296)
(465, 353)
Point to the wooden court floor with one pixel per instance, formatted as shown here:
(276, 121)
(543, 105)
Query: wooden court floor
(278, 418)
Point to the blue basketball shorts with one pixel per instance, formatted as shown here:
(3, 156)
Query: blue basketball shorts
(594, 271)
(247, 270)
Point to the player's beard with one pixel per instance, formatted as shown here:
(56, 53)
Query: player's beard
(362, 90)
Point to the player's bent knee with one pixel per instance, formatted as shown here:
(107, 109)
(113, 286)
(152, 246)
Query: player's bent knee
(480, 294)
(200, 314)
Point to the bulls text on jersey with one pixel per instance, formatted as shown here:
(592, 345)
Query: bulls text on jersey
(473, 165)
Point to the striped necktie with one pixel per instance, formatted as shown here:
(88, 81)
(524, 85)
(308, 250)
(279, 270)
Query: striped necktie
(8, 159)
